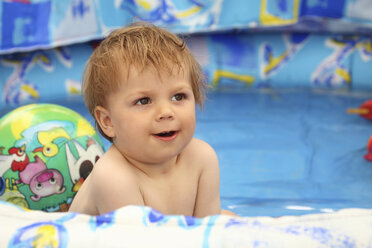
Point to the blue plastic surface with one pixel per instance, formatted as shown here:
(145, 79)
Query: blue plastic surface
(289, 151)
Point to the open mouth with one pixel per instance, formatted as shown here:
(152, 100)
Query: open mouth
(166, 134)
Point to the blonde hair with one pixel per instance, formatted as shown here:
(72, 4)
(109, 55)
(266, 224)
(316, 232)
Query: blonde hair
(139, 45)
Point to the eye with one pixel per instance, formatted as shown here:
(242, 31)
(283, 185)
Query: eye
(52, 180)
(39, 186)
(178, 97)
(143, 101)
(21, 151)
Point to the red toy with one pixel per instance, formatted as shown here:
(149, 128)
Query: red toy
(368, 156)
(364, 110)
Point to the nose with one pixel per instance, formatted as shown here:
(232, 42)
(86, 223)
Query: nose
(165, 112)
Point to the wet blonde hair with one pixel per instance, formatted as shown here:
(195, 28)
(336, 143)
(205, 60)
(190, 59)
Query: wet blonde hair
(139, 45)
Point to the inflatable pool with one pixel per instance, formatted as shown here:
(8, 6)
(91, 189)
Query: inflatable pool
(283, 73)
(143, 227)
(292, 168)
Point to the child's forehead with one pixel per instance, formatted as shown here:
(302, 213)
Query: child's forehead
(166, 71)
(151, 78)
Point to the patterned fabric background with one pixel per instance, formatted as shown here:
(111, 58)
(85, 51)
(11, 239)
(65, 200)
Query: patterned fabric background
(30, 24)
(333, 49)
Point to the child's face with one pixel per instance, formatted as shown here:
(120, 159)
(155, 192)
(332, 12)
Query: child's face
(153, 118)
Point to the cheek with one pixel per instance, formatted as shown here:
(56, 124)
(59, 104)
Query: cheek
(189, 118)
(132, 124)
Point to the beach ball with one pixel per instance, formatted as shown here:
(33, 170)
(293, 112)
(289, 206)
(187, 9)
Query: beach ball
(46, 153)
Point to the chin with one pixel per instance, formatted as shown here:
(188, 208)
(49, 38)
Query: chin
(162, 156)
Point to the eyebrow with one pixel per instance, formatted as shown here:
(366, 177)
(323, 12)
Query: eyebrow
(139, 93)
(183, 87)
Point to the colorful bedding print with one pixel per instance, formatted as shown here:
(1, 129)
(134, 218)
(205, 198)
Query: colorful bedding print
(135, 226)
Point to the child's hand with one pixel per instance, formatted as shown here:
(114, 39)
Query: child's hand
(228, 212)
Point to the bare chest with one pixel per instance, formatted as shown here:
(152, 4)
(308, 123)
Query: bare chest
(171, 195)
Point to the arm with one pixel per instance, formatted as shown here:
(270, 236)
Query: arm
(208, 197)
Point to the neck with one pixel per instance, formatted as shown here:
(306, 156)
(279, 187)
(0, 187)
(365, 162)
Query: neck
(153, 170)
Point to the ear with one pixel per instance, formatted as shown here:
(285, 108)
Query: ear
(103, 119)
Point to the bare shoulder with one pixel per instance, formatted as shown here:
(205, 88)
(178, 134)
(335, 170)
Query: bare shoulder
(112, 166)
(112, 172)
(208, 196)
(200, 147)
(201, 152)
(114, 183)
